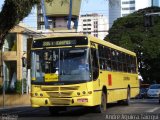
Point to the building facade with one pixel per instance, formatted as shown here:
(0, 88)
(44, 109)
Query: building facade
(13, 57)
(94, 24)
(156, 3)
(58, 14)
(121, 8)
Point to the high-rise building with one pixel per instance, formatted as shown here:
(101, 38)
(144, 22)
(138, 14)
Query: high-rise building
(93, 24)
(120, 8)
(156, 3)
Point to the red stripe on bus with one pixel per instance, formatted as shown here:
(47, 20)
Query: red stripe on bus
(109, 79)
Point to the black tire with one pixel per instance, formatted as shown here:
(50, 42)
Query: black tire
(102, 107)
(127, 101)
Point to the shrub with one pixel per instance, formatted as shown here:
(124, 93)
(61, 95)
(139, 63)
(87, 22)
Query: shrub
(18, 86)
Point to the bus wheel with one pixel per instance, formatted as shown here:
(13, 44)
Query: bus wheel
(127, 101)
(102, 107)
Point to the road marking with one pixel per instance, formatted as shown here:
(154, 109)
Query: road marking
(153, 110)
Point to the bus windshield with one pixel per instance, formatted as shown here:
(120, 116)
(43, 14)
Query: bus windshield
(53, 65)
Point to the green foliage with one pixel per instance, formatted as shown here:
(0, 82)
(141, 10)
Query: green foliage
(19, 86)
(13, 11)
(130, 33)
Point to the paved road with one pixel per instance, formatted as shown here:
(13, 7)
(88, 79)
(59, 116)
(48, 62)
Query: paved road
(142, 109)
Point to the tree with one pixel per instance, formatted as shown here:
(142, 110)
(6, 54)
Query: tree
(131, 33)
(13, 11)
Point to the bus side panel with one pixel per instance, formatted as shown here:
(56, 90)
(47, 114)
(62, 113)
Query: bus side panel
(96, 92)
(117, 84)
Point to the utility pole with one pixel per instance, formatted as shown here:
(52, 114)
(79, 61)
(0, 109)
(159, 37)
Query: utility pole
(3, 90)
(70, 15)
(46, 23)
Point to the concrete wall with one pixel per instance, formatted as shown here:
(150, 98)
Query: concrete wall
(15, 100)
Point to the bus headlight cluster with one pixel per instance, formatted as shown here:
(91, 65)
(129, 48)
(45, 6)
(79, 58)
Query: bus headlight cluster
(36, 94)
(78, 93)
(83, 92)
(41, 95)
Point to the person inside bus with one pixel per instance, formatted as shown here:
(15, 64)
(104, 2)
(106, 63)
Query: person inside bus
(108, 67)
(83, 65)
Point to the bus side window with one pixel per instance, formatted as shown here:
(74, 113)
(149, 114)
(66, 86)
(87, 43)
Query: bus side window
(133, 64)
(124, 63)
(94, 62)
(108, 57)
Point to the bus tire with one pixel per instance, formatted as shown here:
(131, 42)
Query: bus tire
(102, 107)
(127, 101)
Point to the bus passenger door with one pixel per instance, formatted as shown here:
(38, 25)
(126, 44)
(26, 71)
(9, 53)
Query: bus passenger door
(95, 74)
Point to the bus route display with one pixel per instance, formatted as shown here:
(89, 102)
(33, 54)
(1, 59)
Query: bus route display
(64, 41)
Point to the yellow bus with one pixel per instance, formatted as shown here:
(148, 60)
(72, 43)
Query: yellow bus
(79, 70)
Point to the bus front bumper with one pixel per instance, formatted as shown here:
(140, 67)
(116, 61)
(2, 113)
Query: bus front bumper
(74, 101)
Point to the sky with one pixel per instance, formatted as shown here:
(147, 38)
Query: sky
(87, 6)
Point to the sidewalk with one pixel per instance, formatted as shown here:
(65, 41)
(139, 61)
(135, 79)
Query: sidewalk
(14, 100)
(13, 107)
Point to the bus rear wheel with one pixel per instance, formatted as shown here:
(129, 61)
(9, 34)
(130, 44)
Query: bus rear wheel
(102, 107)
(127, 101)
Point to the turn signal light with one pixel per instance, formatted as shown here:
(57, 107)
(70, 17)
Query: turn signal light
(78, 93)
(84, 92)
(36, 94)
(89, 92)
(41, 95)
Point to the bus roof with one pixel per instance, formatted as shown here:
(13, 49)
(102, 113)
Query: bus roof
(105, 43)
(93, 39)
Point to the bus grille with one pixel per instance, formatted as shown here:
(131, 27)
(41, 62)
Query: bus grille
(44, 88)
(48, 88)
(60, 101)
(59, 94)
(69, 88)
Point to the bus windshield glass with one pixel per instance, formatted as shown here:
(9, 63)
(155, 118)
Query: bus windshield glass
(53, 65)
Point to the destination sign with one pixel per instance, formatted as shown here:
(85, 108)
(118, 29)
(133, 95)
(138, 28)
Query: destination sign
(60, 41)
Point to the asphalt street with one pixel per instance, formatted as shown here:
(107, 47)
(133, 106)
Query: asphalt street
(139, 109)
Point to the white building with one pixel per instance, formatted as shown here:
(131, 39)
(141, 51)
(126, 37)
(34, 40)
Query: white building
(140, 4)
(94, 24)
(120, 8)
(156, 3)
